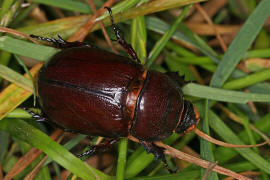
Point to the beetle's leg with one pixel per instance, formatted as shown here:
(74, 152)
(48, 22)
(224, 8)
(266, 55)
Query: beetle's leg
(158, 153)
(121, 40)
(60, 42)
(36, 116)
(102, 147)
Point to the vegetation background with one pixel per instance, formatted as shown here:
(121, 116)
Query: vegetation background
(222, 47)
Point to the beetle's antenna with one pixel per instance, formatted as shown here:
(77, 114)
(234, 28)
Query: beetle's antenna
(121, 40)
(221, 143)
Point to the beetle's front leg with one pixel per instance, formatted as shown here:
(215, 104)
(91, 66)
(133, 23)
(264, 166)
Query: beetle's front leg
(60, 42)
(36, 116)
(121, 40)
(158, 153)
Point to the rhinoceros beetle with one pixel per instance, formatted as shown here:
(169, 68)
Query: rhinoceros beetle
(95, 92)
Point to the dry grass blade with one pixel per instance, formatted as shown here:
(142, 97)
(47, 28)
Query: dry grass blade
(200, 162)
(34, 172)
(208, 170)
(92, 4)
(206, 29)
(17, 33)
(194, 160)
(1, 172)
(247, 173)
(27, 159)
(15, 99)
(212, 7)
(23, 162)
(85, 29)
(221, 143)
(235, 118)
(209, 21)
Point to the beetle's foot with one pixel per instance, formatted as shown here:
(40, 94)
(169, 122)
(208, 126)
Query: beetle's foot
(158, 153)
(121, 40)
(60, 42)
(102, 147)
(36, 116)
(87, 153)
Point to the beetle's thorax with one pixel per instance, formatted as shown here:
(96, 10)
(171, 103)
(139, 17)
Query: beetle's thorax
(156, 107)
(134, 90)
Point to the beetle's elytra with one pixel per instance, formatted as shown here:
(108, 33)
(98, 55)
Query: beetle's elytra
(95, 92)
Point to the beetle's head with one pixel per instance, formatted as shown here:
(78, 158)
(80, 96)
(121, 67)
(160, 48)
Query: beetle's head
(189, 118)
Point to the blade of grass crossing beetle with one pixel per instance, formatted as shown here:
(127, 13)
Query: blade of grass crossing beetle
(69, 145)
(165, 38)
(241, 43)
(23, 131)
(122, 158)
(26, 49)
(67, 4)
(138, 37)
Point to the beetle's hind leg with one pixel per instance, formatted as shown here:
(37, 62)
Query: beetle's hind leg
(158, 153)
(121, 40)
(102, 147)
(60, 42)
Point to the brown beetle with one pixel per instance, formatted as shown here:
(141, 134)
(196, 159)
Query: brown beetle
(92, 91)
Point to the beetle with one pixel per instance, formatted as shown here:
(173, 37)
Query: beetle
(95, 92)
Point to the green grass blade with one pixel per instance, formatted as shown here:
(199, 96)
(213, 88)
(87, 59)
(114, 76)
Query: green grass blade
(224, 154)
(183, 34)
(206, 150)
(241, 43)
(15, 78)
(165, 38)
(23, 131)
(19, 60)
(225, 133)
(139, 160)
(183, 175)
(257, 53)
(119, 7)
(122, 157)
(223, 95)
(181, 68)
(248, 80)
(138, 37)
(242, 166)
(27, 49)
(67, 4)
